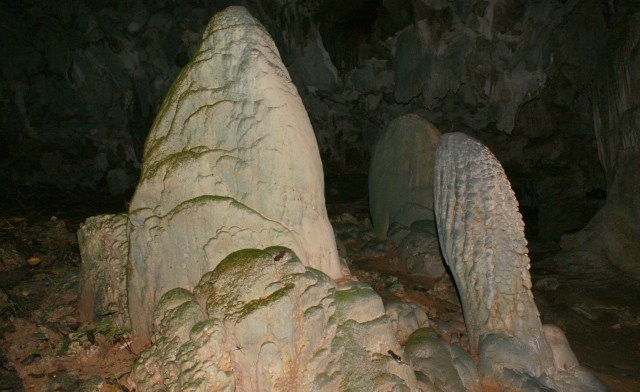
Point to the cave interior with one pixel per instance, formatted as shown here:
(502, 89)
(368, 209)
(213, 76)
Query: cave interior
(552, 88)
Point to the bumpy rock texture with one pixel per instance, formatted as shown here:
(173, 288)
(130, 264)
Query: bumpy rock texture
(482, 237)
(103, 281)
(401, 173)
(230, 163)
(406, 318)
(441, 366)
(262, 321)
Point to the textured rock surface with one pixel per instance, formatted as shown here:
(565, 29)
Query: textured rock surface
(262, 321)
(83, 80)
(401, 173)
(441, 366)
(406, 318)
(614, 232)
(311, 65)
(440, 63)
(420, 254)
(230, 163)
(103, 281)
(482, 238)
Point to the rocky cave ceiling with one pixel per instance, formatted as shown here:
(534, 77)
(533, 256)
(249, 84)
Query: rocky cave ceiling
(82, 81)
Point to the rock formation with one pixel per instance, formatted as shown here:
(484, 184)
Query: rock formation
(482, 238)
(103, 275)
(420, 254)
(441, 366)
(401, 173)
(614, 232)
(261, 321)
(230, 163)
(406, 318)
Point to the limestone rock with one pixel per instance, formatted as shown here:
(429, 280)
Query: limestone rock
(260, 321)
(406, 318)
(231, 162)
(420, 254)
(614, 232)
(442, 62)
(482, 238)
(311, 65)
(442, 366)
(103, 281)
(401, 173)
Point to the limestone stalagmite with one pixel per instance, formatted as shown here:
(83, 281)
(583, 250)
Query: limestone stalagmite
(103, 246)
(231, 162)
(482, 238)
(401, 173)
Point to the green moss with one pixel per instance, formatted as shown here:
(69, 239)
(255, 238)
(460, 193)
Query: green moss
(252, 306)
(237, 259)
(347, 296)
(421, 335)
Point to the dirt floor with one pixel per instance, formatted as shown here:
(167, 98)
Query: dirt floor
(44, 346)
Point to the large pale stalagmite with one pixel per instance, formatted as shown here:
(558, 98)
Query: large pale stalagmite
(231, 162)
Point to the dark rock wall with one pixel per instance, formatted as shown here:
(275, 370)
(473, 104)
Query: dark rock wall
(81, 82)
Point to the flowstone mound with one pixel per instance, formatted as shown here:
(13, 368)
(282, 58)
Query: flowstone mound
(401, 173)
(482, 238)
(231, 162)
(262, 321)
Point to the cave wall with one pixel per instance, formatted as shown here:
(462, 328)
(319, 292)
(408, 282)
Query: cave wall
(81, 82)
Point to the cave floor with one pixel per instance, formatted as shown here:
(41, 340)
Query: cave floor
(44, 346)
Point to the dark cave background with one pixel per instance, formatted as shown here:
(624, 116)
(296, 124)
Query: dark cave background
(81, 82)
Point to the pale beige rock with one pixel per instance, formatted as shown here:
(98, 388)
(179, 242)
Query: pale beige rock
(103, 282)
(441, 366)
(406, 318)
(262, 321)
(401, 173)
(563, 356)
(231, 162)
